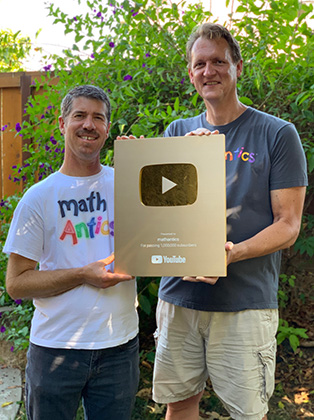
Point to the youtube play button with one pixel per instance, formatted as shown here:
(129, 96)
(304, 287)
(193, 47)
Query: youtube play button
(169, 184)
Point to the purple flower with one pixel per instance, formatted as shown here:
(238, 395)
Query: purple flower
(12, 349)
(111, 44)
(143, 65)
(128, 77)
(42, 165)
(147, 55)
(4, 127)
(92, 56)
(18, 301)
(18, 127)
(75, 18)
(53, 140)
(98, 14)
(2, 329)
(16, 179)
(42, 117)
(182, 81)
(150, 71)
(47, 68)
(47, 148)
(109, 90)
(134, 14)
(49, 107)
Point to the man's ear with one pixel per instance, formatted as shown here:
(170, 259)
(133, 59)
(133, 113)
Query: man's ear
(191, 76)
(239, 68)
(61, 125)
(108, 129)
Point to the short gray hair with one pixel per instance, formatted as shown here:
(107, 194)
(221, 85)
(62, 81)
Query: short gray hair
(213, 31)
(85, 91)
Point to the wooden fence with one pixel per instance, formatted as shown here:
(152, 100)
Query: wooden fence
(15, 89)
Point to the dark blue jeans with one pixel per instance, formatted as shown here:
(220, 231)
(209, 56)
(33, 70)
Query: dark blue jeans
(106, 380)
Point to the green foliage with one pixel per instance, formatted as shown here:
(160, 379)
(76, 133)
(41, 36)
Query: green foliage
(305, 241)
(136, 52)
(285, 284)
(285, 331)
(291, 333)
(13, 49)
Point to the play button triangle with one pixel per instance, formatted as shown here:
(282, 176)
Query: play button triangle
(167, 185)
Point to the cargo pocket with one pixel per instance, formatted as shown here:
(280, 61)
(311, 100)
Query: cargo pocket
(267, 361)
(156, 335)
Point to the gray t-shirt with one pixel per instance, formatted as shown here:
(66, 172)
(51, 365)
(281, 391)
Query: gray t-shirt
(263, 153)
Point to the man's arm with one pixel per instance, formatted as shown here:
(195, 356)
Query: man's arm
(23, 281)
(287, 206)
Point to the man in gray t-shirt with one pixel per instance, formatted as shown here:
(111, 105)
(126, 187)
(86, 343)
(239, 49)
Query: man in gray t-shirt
(225, 328)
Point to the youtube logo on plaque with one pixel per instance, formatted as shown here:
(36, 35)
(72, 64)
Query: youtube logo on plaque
(169, 184)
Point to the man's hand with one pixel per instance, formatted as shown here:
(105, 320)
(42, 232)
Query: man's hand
(211, 280)
(97, 275)
(202, 132)
(128, 137)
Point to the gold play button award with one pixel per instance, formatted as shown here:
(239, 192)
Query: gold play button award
(170, 206)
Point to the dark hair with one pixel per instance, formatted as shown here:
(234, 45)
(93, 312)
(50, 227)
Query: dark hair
(213, 31)
(86, 91)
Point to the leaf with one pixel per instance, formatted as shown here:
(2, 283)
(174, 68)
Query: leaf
(6, 404)
(245, 100)
(176, 104)
(145, 304)
(294, 342)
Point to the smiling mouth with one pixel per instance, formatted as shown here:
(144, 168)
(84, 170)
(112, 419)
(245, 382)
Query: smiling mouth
(211, 83)
(87, 136)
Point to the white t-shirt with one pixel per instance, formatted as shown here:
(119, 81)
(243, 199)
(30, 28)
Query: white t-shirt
(68, 222)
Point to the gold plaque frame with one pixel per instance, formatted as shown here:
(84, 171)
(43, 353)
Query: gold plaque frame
(170, 206)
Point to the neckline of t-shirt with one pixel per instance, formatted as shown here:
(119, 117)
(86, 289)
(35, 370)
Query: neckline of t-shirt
(226, 127)
(83, 178)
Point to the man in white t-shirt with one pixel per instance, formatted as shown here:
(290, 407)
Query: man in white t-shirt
(84, 333)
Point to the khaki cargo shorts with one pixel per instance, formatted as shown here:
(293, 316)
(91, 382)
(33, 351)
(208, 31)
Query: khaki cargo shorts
(236, 350)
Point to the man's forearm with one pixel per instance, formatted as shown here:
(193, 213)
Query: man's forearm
(41, 284)
(275, 237)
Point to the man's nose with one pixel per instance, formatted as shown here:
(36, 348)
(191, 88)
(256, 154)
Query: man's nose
(89, 123)
(209, 69)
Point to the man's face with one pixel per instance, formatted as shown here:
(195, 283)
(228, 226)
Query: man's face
(212, 71)
(85, 129)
